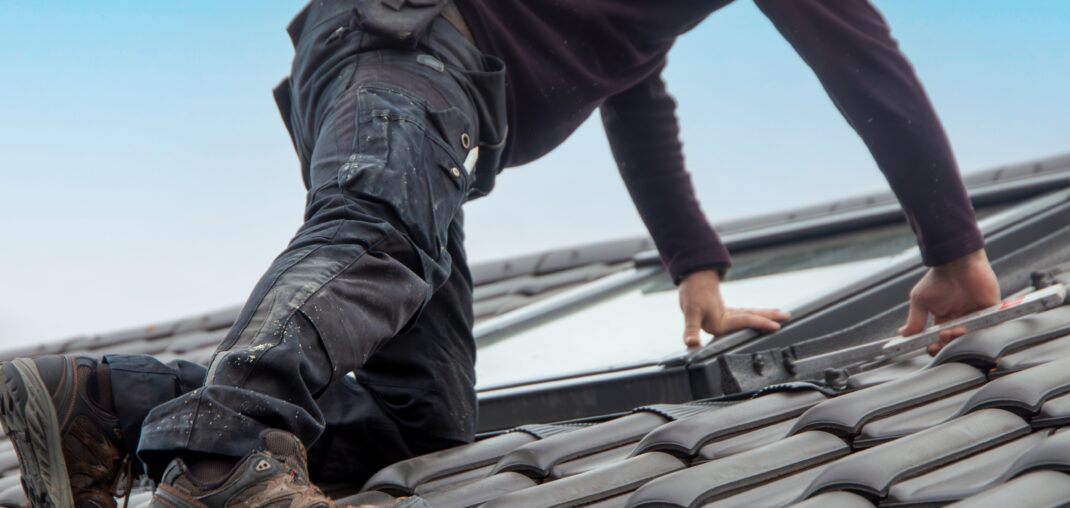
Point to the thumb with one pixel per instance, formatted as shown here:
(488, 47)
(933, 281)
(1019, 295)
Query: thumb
(917, 318)
(692, 326)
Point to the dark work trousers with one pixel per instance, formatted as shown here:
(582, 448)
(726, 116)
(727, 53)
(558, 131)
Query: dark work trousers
(374, 282)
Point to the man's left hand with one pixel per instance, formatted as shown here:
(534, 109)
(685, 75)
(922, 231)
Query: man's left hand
(700, 300)
(951, 291)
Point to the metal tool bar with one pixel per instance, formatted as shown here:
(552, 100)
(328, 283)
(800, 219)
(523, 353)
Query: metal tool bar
(1012, 308)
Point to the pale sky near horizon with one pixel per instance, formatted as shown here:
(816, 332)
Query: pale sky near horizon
(146, 174)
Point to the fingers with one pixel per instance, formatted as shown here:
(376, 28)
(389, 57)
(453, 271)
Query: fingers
(692, 326)
(774, 314)
(952, 333)
(715, 322)
(916, 319)
(735, 320)
(945, 338)
(935, 347)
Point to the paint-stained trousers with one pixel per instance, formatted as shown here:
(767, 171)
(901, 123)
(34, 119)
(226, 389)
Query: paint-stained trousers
(373, 283)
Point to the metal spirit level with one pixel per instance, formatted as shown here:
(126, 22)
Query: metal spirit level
(885, 349)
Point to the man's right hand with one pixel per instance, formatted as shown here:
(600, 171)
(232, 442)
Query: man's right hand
(703, 308)
(951, 291)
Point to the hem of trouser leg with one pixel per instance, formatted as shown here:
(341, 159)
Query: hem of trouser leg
(156, 383)
(156, 453)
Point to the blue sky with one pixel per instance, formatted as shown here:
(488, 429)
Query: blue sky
(146, 174)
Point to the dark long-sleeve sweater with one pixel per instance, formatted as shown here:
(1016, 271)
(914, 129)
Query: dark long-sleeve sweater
(565, 58)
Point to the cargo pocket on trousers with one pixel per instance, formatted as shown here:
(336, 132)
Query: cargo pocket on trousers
(397, 162)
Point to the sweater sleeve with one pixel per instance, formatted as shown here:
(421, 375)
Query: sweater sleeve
(643, 133)
(851, 50)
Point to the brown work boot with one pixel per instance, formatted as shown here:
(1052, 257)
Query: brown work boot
(59, 415)
(276, 476)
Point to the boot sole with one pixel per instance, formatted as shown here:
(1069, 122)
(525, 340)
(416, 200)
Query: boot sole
(29, 420)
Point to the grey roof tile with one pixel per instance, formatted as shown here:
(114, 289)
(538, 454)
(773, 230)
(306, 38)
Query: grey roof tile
(835, 500)
(887, 373)
(698, 484)
(493, 271)
(219, 319)
(543, 431)
(403, 477)
(746, 441)
(1046, 165)
(137, 347)
(1054, 412)
(192, 341)
(538, 458)
(454, 480)
(202, 356)
(871, 472)
(9, 481)
(983, 348)
(613, 502)
(685, 437)
(912, 420)
(32, 350)
(8, 461)
(1024, 392)
(12, 497)
(1051, 453)
(963, 478)
(530, 285)
(1037, 489)
(680, 411)
(374, 498)
(1031, 357)
(591, 462)
(779, 492)
(846, 414)
(111, 341)
(615, 251)
(593, 485)
(477, 493)
(904, 401)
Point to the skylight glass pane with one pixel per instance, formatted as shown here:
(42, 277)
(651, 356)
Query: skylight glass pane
(640, 325)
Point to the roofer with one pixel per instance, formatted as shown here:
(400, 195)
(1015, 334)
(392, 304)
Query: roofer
(400, 113)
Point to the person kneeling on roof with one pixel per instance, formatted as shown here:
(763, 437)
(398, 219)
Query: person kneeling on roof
(399, 113)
